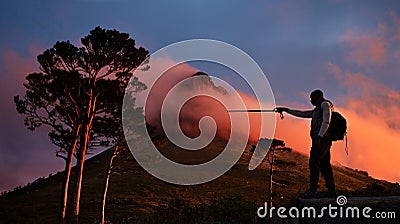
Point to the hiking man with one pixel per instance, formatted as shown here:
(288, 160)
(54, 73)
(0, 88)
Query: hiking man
(320, 154)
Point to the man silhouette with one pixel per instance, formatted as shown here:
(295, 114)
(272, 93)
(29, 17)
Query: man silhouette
(320, 154)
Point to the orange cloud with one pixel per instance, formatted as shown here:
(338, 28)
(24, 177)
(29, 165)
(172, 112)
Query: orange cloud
(377, 46)
(371, 109)
(295, 133)
(374, 146)
(366, 48)
(197, 107)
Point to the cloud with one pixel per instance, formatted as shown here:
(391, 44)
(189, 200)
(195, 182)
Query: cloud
(366, 48)
(374, 127)
(371, 109)
(374, 146)
(374, 47)
(295, 133)
(370, 103)
(197, 107)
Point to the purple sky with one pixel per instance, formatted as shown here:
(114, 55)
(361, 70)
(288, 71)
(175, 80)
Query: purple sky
(300, 45)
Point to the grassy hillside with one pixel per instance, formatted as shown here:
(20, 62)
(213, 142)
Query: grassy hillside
(137, 197)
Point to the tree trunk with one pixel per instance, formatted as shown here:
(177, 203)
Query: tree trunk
(105, 189)
(67, 171)
(85, 137)
(271, 172)
(79, 177)
(271, 154)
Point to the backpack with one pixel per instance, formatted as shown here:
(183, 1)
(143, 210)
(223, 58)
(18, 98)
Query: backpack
(338, 127)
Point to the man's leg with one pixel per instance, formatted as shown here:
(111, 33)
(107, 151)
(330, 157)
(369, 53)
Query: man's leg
(318, 151)
(314, 164)
(325, 166)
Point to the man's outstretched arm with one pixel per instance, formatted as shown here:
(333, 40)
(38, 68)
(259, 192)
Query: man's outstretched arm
(297, 113)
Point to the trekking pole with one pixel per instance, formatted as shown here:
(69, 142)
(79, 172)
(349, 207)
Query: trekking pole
(257, 111)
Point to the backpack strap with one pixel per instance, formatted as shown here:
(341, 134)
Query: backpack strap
(319, 108)
(331, 104)
(346, 149)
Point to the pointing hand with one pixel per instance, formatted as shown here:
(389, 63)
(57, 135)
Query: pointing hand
(281, 109)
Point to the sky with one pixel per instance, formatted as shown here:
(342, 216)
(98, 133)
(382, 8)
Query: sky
(349, 49)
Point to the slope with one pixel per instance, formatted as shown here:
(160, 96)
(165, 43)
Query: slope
(137, 197)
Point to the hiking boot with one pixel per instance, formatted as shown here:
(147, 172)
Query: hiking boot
(310, 193)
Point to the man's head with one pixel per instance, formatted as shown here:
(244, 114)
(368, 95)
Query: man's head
(317, 96)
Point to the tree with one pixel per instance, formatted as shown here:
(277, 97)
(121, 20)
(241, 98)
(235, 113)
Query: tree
(48, 101)
(271, 159)
(274, 145)
(78, 91)
(115, 132)
(110, 166)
